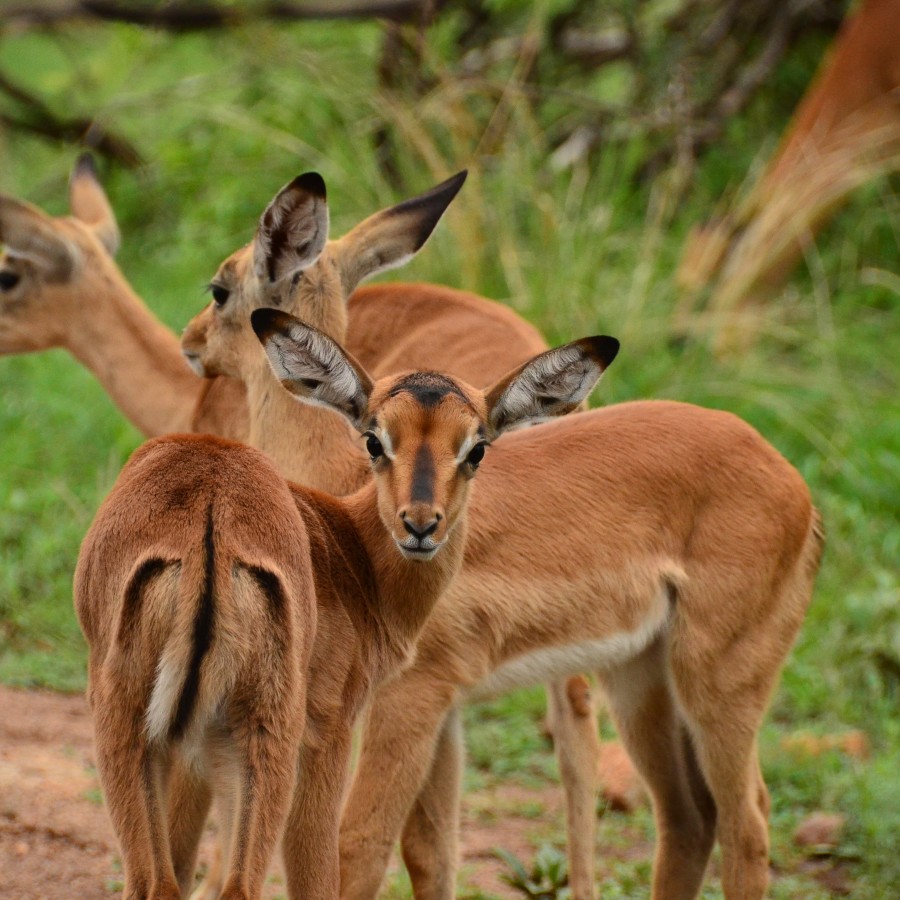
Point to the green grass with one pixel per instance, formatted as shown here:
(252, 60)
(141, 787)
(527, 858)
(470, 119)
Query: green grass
(223, 120)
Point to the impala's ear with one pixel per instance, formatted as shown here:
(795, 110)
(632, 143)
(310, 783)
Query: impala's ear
(551, 384)
(312, 366)
(30, 233)
(293, 229)
(89, 203)
(393, 236)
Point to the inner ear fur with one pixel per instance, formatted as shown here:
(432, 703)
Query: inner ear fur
(293, 229)
(30, 233)
(89, 203)
(551, 384)
(312, 366)
(391, 237)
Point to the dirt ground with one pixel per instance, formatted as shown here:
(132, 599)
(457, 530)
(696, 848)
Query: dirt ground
(56, 841)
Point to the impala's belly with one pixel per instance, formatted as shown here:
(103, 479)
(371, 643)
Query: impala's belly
(550, 663)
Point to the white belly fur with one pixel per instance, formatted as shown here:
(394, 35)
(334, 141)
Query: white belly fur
(550, 663)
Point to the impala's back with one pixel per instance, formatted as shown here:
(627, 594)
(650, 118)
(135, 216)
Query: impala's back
(195, 579)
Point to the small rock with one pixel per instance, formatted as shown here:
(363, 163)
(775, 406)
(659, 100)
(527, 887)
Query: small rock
(20, 848)
(820, 829)
(620, 785)
(854, 744)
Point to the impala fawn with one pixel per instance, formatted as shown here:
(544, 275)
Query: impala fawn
(667, 546)
(291, 264)
(237, 624)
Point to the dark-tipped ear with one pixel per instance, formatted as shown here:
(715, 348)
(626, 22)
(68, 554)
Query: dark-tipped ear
(312, 366)
(393, 236)
(89, 203)
(30, 233)
(551, 384)
(293, 230)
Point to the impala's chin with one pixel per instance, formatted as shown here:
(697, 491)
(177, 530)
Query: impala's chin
(421, 551)
(195, 362)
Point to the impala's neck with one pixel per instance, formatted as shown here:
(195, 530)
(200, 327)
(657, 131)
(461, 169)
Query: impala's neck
(309, 444)
(407, 590)
(136, 359)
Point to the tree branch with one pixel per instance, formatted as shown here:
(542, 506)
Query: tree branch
(35, 117)
(187, 15)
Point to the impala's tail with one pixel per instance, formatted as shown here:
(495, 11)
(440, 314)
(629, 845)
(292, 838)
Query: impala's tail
(191, 632)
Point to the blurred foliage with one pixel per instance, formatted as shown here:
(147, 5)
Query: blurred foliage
(547, 879)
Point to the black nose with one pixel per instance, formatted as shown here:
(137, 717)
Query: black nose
(421, 531)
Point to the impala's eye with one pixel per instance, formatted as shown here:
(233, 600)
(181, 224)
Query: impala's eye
(219, 294)
(373, 445)
(8, 280)
(476, 455)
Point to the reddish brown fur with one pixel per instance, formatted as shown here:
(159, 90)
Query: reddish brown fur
(88, 308)
(319, 566)
(649, 515)
(856, 85)
(641, 507)
(250, 728)
(847, 122)
(389, 328)
(630, 511)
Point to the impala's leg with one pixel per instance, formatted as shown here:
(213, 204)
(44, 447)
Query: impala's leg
(267, 752)
(641, 702)
(724, 679)
(726, 750)
(731, 768)
(130, 774)
(189, 797)
(211, 886)
(429, 841)
(399, 740)
(573, 724)
(310, 842)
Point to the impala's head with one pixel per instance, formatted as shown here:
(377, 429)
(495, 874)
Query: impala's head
(426, 433)
(291, 265)
(51, 268)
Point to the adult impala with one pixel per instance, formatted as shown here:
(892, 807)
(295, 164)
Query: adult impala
(237, 624)
(667, 546)
(291, 264)
(60, 287)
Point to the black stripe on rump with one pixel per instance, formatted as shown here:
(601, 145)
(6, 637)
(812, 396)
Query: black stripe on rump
(271, 588)
(134, 592)
(203, 635)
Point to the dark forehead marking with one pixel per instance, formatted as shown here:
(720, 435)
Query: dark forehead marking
(423, 475)
(428, 388)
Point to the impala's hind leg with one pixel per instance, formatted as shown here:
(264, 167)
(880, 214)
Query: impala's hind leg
(731, 768)
(429, 841)
(724, 720)
(572, 719)
(189, 797)
(724, 678)
(131, 772)
(266, 746)
(641, 702)
(226, 777)
(310, 843)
